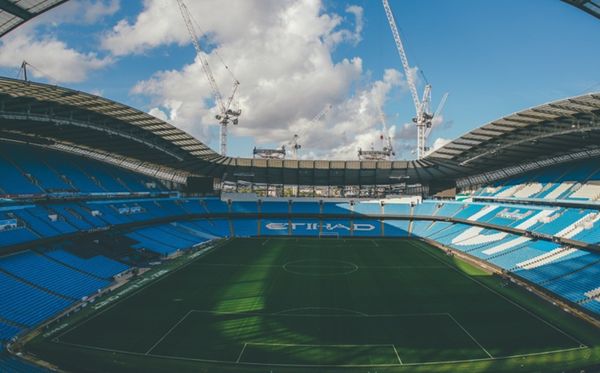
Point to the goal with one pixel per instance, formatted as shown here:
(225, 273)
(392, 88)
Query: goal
(329, 235)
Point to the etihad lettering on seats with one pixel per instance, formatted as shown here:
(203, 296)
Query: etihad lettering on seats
(363, 227)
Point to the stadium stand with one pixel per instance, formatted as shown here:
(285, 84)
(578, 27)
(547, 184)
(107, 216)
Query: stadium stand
(245, 207)
(366, 228)
(165, 239)
(27, 305)
(305, 208)
(579, 181)
(368, 207)
(540, 225)
(336, 208)
(11, 364)
(245, 227)
(215, 206)
(98, 266)
(305, 227)
(274, 227)
(31, 171)
(275, 208)
(213, 227)
(395, 228)
(50, 275)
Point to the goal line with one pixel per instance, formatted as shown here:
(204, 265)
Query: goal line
(249, 355)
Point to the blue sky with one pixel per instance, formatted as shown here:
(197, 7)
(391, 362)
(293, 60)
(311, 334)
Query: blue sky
(494, 58)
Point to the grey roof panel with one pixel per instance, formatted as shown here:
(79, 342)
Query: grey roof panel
(14, 13)
(63, 115)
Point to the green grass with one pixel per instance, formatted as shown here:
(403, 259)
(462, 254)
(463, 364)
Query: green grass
(327, 305)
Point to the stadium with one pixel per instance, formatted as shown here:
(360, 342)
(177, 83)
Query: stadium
(127, 244)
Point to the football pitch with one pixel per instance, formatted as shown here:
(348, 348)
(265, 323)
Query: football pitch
(292, 305)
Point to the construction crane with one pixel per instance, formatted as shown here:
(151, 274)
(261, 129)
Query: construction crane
(23, 69)
(388, 147)
(423, 118)
(226, 114)
(294, 144)
(437, 113)
(387, 152)
(265, 153)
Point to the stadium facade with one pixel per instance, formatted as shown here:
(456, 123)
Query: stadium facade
(93, 190)
(93, 194)
(556, 132)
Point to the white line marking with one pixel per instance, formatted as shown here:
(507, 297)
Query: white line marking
(265, 242)
(496, 358)
(320, 308)
(581, 347)
(398, 356)
(543, 352)
(241, 353)
(581, 344)
(320, 266)
(314, 345)
(168, 332)
(469, 334)
(356, 313)
(131, 294)
(375, 243)
(317, 365)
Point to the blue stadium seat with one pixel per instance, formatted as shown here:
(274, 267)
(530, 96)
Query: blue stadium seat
(274, 207)
(26, 305)
(305, 207)
(99, 266)
(51, 275)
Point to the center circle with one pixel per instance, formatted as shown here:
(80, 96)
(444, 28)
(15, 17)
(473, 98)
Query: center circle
(320, 267)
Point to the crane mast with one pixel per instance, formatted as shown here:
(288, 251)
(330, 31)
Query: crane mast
(295, 145)
(387, 152)
(389, 146)
(423, 117)
(438, 111)
(226, 115)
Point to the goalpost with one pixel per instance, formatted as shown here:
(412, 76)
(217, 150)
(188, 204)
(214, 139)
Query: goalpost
(335, 235)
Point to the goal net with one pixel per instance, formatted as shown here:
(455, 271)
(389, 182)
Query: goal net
(329, 235)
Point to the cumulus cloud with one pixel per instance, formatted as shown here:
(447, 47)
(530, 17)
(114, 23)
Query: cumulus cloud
(160, 23)
(346, 35)
(353, 123)
(158, 113)
(51, 58)
(439, 142)
(81, 12)
(97, 92)
(281, 52)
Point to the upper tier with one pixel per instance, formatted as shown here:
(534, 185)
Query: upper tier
(569, 182)
(28, 170)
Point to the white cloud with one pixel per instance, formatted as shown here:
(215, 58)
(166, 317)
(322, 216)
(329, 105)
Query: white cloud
(81, 12)
(352, 124)
(158, 113)
(439, 142)
(51, 58)
(97, 92)
(281, 52)
(160, 23)
(343, 35)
